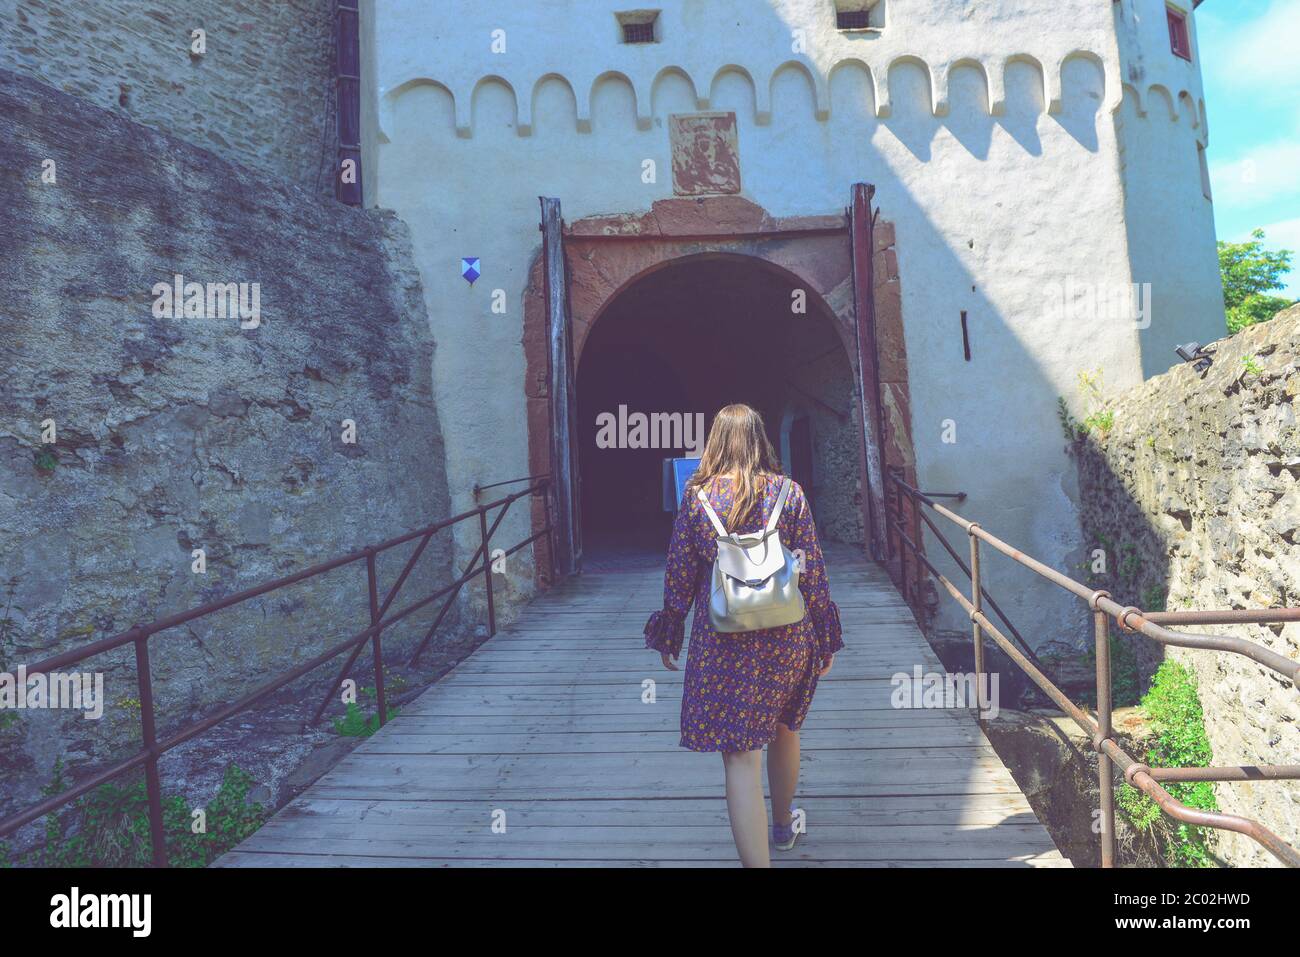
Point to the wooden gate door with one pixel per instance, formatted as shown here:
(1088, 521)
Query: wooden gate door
(563, 404)
(862, 242)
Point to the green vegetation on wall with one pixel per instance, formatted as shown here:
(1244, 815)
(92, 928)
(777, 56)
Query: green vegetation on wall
(1174, 710)
(110, 826)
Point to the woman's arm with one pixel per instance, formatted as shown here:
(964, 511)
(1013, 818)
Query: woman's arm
(813, 581)
(666, 629)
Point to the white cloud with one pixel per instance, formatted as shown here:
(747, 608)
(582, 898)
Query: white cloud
(1262, 52)
(1264, 175)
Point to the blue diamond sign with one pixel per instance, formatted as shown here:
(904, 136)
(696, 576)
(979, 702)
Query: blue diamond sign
(469, 268)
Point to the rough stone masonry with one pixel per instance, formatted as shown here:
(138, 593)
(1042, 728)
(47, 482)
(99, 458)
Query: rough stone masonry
(177, 434)
(1197, 490)
(261, 93)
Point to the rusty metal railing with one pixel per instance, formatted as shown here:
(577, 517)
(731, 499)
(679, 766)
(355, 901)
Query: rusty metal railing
(1099, 728)
(139, 635)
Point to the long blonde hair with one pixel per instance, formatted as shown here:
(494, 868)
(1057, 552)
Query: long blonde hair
(738, 448)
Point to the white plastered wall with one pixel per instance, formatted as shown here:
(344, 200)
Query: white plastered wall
(987, 129)
(1170, 219)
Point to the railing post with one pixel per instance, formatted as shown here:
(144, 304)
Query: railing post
(1105, 770)
(976, 599)
(149, 737)
(377, 645)
(550, 530)
(487, 571)
(903, 553)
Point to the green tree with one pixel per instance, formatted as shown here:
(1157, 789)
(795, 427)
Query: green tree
(1249, 273)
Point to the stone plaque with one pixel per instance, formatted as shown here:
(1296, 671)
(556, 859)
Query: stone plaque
(706, 154)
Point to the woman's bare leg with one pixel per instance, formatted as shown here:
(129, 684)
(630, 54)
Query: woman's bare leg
(782, 772)
(744, 771)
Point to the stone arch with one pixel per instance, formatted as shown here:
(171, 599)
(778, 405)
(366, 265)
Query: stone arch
(762, 93)
(670, 73)
(1034, 64)
(586, 105)
(846, 68)
(606, 255)
(388, 104)
(936, 87)
(817, 88)
(992, 97)
(471, 101)
(774, 265)
(528, 105)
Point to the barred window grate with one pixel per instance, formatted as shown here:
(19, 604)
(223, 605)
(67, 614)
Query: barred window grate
(639, 32)
(853, 19)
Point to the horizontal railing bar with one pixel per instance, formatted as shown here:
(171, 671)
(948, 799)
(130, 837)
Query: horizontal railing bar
(1139, 777)
(1136, 774)
(1243, 772)
(526, 478)
(406, 571)
(58, 662)
(1247, 616)
(275, 684)
(1229, 643)
(527, 541)
(1239, 646)
(384, 623)
(983, 591)
(56, 801)
(145, 631)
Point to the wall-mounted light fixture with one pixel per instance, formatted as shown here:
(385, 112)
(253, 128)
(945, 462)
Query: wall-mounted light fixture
(1195, 353)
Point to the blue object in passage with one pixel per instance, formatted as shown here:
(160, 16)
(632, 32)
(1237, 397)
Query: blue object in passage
(676, 472)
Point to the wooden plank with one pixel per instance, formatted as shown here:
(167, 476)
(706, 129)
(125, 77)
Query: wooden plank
(568, 741)
(546, 723)
(986, 809)
(241, 858)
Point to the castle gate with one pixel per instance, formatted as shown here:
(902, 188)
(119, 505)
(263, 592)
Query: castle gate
(701, 302)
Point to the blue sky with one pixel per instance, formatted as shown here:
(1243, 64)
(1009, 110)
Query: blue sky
(1250, 63)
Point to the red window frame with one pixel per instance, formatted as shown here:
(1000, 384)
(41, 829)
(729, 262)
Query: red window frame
(1180, 41)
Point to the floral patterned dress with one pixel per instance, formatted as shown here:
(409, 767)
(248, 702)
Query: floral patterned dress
(738, 686)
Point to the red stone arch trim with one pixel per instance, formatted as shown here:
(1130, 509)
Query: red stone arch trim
(606, 254)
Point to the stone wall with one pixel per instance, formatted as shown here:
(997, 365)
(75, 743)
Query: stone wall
(174, 434)
(262, 94)
(1194, 495)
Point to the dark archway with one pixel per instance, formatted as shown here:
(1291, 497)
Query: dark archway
(688, 337)
(605, 256)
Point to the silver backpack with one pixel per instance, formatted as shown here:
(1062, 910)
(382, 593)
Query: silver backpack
(755, 577)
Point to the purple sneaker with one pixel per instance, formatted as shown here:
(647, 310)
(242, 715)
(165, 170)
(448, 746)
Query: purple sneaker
(785, 836)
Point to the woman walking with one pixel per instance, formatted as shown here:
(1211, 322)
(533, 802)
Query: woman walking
(747, 689)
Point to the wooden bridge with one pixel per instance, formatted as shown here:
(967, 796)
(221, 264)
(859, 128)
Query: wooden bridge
(544, 730)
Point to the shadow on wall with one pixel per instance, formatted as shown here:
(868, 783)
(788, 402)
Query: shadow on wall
(862, 124)
(1003, 400)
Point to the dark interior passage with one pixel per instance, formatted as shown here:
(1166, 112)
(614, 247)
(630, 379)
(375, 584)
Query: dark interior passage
(691, 338)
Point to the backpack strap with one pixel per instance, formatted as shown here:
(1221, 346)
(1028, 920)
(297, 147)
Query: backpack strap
(713, 516)
(780, 504)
